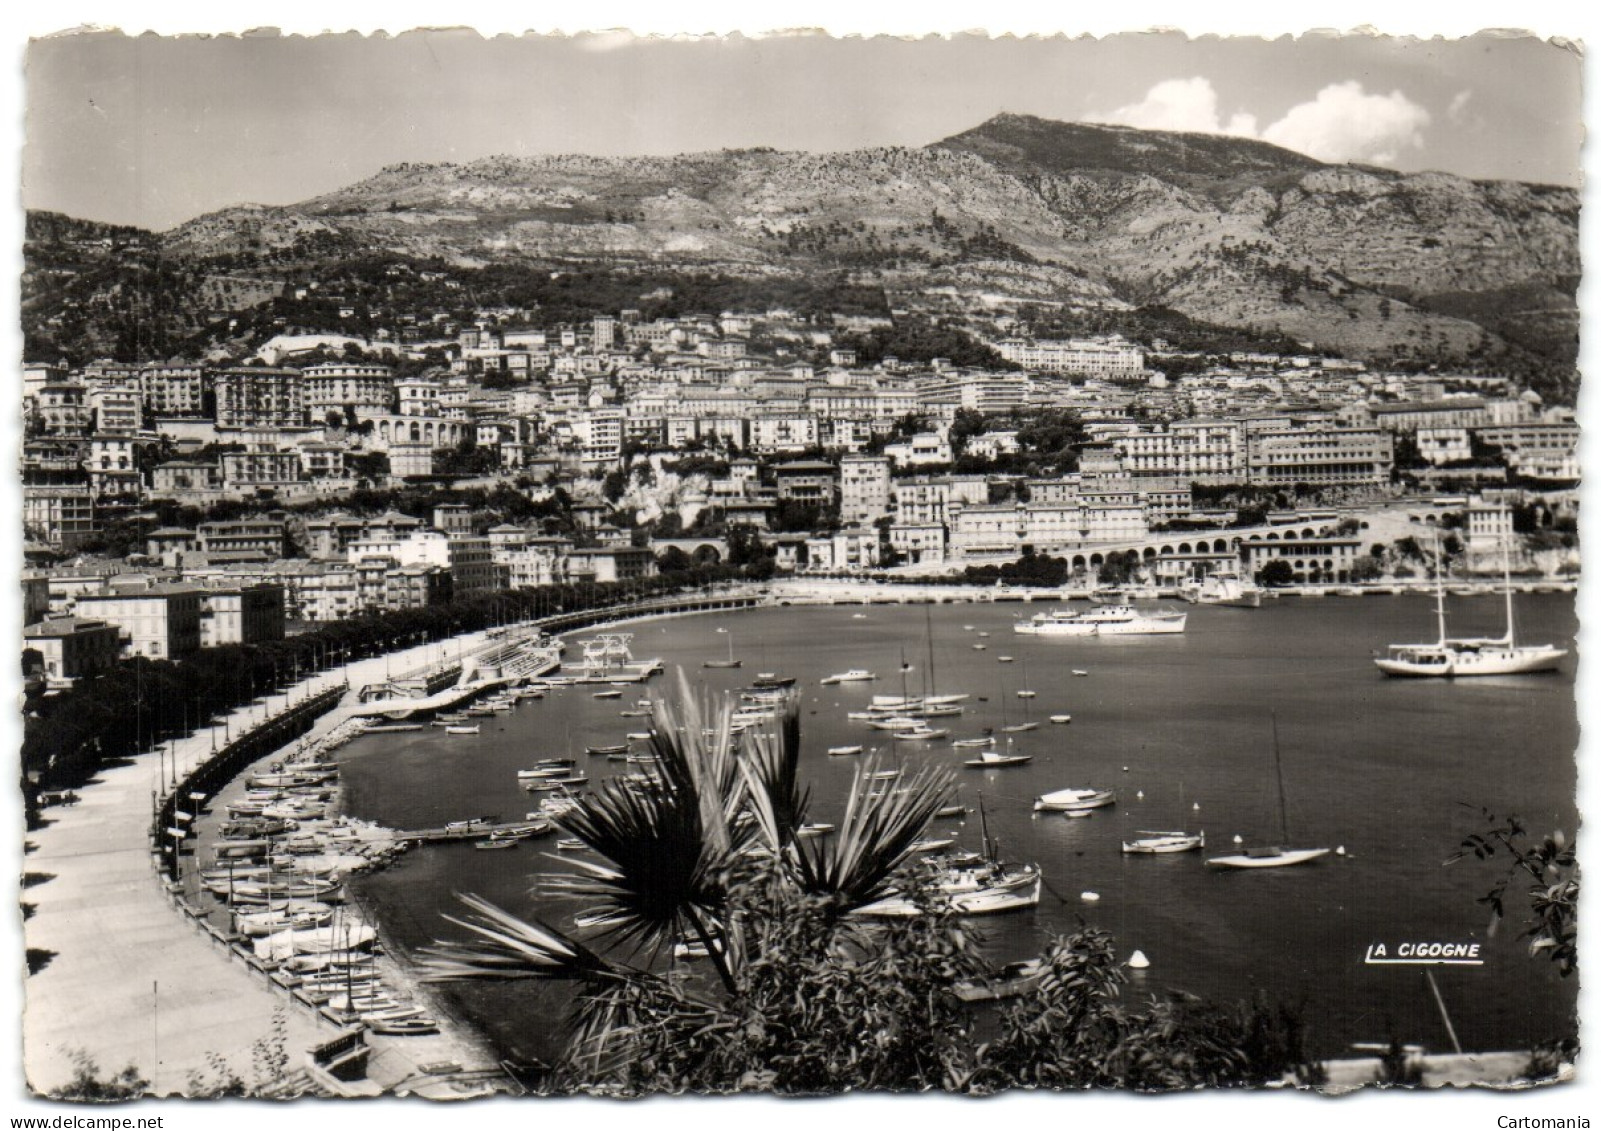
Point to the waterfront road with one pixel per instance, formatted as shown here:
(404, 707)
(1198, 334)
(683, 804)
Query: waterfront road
(127, 979)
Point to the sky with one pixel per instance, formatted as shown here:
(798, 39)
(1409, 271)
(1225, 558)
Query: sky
(153, 131)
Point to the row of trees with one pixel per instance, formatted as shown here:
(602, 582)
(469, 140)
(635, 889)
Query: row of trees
(142, 702)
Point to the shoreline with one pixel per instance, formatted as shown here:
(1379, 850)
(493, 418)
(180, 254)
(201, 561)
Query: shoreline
(125, 977)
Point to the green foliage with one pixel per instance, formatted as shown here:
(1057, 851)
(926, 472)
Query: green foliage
(1276, 574)
(1547, 872)
(919, 340)
(1029, 569)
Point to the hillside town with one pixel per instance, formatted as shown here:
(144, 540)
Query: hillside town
(175, 505)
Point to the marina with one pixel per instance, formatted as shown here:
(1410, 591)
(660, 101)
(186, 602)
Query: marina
(1195, 749)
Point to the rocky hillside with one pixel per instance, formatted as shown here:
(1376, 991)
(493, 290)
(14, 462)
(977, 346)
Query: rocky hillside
(1228, 231)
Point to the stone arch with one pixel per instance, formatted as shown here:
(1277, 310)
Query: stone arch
(416, 433)
(1184, 548)
(707, 554)
(1096, 560)
(1289, 536)
(1078, 561)
(1220, 545)
(1149, 554)
(383, 430)
(1309, 532)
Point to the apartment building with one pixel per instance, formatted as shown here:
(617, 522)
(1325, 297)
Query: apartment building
(864, 489)
(260, 398)
(161, 622)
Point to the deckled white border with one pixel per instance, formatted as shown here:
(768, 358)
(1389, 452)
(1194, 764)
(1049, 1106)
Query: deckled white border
(1468, 1109)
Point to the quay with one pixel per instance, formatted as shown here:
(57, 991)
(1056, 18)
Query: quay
(128, 974)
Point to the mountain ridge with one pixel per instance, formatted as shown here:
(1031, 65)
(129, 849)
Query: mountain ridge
(1227, 230)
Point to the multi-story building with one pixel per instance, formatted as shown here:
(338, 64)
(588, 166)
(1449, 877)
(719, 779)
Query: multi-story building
(1312, 559)
(250, 614)
(345, 388)
(161, 622)
(418, 395)
(1320, 456)
(113, 466)
(470, 560)
(73, 648)
(263, 536)
(922, 502)
(1111, 359)
(260, 398)
(806, 481)
(616, 563)
(179, 476)
(847, 551)
(62, 409)
(116, 410)
(925, 449)
(534, 561)
(783, 432)
(599, 434)
(35, 597)
(174, 392)
(1202, 451)
(919, 543)
(61, 514)
(1453, 412)
(864, 494)
(260, 470)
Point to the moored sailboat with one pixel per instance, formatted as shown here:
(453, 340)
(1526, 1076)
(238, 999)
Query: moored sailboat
(1273, 856)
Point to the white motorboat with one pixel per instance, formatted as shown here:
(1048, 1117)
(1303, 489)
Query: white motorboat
(1156, 843)
(1222, 589)
(1108, 620)
(974, 743)
(844, 750)
(1012, 980)
(1061, 719)
(855, 675)
(1074, 800)
(994, 760)
(462, 728)
(919, 734)
(990, 892)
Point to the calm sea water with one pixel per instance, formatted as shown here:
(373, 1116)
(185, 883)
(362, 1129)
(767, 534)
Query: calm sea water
(1393, 771)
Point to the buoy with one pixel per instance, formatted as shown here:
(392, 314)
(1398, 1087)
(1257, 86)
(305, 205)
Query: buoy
(1340, 851)
(1091, 897)
(1238, 839)
(1140, 794)
(1137, 961)
(1196, 807)
(1125, 769)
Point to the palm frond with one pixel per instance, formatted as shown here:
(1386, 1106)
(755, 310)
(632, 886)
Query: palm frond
(874, 838)
(505, 946)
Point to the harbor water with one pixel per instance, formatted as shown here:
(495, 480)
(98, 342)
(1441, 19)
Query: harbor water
(1393, 772)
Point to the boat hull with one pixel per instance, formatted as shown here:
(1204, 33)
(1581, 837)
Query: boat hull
(1450, 663)
(1279, 859)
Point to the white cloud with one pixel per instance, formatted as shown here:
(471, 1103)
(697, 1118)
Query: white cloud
(1344, 123)
(1186, 105)
(1458, 104)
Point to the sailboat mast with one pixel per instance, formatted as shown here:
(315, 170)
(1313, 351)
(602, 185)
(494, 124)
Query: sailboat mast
(1506, 580)
(928, 634)
(1278, 779)
(1439, 590)
(984, 828)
